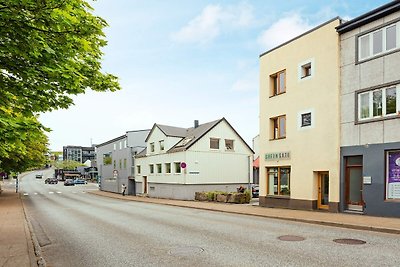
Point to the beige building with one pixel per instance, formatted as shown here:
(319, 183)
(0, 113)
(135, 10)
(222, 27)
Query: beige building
(299, 121)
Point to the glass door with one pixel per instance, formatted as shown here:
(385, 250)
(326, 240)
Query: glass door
(323, 190)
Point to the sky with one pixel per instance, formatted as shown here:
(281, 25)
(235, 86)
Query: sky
(180, 61)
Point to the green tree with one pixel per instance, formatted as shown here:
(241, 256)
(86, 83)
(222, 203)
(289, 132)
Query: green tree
(49, 51)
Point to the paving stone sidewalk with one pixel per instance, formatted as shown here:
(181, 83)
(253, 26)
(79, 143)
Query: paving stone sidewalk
(352, 221)
(16, 245)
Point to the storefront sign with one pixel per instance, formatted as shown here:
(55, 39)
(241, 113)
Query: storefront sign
(277, 156)
(393, 174)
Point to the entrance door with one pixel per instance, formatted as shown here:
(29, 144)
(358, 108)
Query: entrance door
(323, 190)
(354, 183)
(144, 184)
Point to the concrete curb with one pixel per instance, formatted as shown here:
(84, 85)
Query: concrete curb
(325, 223)
(40, 261)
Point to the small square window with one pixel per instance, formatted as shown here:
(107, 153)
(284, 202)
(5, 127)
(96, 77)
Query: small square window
(306, 119)
(214, 143)
(306, 70)
(228, 144)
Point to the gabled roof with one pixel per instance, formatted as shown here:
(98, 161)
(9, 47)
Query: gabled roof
(189, 135)
(372, 15)
(141, 154)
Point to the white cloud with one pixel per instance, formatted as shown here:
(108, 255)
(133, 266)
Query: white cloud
(212, 21)
(247, 82)
(283, 30)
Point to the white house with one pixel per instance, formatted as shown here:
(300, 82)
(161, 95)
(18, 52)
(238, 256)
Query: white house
(178, 162)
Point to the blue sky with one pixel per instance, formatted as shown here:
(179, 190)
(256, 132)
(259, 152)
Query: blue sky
(180, 61)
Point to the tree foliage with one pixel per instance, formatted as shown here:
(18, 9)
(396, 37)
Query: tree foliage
(49, 51)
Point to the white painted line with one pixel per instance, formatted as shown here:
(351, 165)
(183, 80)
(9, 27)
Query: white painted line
(51, 192)
(58, 192)
(35, 193)
(26, 194)
(83, 192)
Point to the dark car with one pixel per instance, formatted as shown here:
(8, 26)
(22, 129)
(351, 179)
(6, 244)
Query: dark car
(80, 181)
(51, 181)
(69, 182)
(39, 176)
(255, 191)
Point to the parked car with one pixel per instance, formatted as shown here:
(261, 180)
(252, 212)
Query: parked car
(39, 176)
(255, 191)
(51, 181)
(80, 181)
(69, 182)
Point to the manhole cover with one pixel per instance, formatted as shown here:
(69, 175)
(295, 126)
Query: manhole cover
(185, 251)
(291, 238)
(349, 241)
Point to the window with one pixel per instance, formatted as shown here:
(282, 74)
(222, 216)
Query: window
(167, 167)
(306, 119)
(115, 146)
(161, 145)
(177, 167)
(120, 163)
(379, 103)
(379, 41)
(124, 163)
(278, 126)
(120, 145)
(107, 159)
(159, 168)
(278, 83)
(214, 143)
(125, 144)
(393, 174)
(278, 181)
(228, 144)
(151, 147)
(115, 164)
(151, 166)
(138, 168)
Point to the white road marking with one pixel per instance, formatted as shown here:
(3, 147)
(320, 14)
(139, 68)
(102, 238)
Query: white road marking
(58, 192)
(51, 192)
(35, 193)
(26, 194)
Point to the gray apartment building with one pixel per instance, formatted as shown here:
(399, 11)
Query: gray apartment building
(370, 112)
(115, 161)
(79, 153)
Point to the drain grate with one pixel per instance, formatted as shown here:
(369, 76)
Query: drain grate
(186, 251)
(349, 241)
(291, 238)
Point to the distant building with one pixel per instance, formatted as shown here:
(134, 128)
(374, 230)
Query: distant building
(115, 161)
(178, 162)
(79, 153)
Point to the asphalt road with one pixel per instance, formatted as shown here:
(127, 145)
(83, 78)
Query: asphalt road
(75, 228)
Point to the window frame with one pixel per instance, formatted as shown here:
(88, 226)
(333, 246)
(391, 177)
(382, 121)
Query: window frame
(152, 147)
(176, 164)
(370, 94)
(159, 168)
(383, 43)
(161, 144)
(279, 190)
(275, 81)
(151, 168)
(309, 123)
(276, 135)
(138, 169)
(213, 139)
(233, 145)
(167, 167)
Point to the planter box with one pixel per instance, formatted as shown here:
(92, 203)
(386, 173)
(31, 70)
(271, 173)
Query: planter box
(200, 196)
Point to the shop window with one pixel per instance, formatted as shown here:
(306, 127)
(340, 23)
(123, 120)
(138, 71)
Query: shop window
(278, 181)
(378, 103)
(278, 126)
(393, 174)
(278, 83)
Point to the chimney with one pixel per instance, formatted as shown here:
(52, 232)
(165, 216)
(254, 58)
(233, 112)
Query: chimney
(196, 123)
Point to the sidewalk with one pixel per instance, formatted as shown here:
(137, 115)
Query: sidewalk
(360, 222)
(16, 246)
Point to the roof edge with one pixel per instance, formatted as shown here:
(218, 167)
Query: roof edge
(303, 34)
